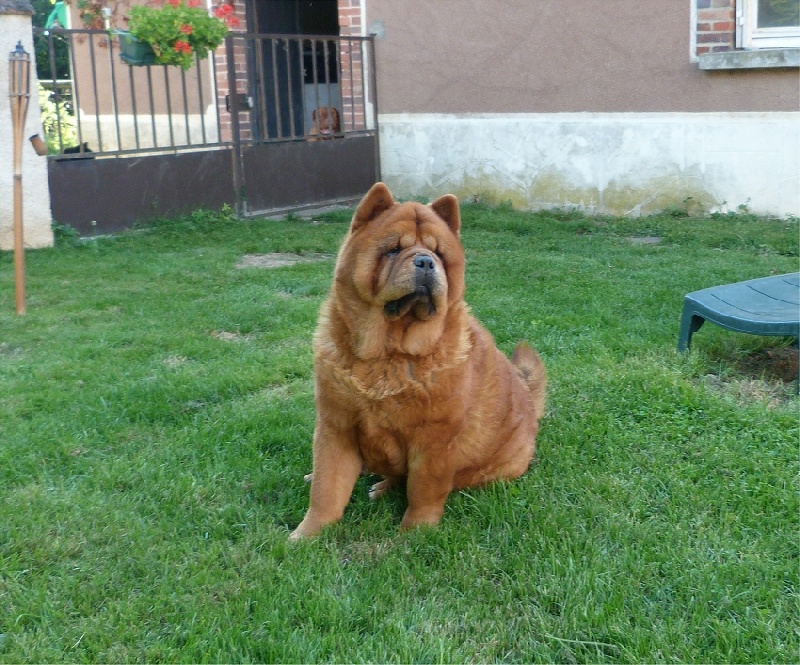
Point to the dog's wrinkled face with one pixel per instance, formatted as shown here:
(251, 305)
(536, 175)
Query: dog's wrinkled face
(405, 259)
(412, 279)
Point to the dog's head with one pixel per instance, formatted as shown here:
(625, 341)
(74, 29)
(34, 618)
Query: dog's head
(326, 120)
(402, 264)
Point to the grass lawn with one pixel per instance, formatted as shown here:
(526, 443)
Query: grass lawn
(156, 413)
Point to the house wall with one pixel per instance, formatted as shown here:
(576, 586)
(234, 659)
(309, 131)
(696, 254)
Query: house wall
(574, 98)
(16, 26)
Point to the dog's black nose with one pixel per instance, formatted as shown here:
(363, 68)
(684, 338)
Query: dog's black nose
(424, 262)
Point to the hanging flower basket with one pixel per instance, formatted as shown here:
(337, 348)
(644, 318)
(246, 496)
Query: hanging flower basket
(133, 51)
(179, 31)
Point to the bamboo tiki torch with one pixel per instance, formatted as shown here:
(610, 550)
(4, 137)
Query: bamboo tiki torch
(19, 92)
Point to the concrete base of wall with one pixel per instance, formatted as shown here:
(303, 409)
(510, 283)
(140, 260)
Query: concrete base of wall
(613, 163)
(35, 193)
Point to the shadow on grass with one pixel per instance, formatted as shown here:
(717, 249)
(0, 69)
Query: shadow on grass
(768, 374)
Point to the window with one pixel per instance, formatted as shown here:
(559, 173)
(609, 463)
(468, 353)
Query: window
(767, 24)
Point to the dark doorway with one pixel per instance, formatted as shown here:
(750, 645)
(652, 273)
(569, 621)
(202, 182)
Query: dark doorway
(293, 75)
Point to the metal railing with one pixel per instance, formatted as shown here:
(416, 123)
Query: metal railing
(116, 109)
(108, 108)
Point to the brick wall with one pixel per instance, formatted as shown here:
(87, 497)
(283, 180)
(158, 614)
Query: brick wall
(716, 26)
(240, 63)
(352, 88)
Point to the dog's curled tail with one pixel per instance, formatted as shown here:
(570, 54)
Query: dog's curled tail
(531, 370)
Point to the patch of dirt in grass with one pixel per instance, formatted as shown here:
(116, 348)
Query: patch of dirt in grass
(175, 361)
(364, 552)
(644, 240)
(278, 260)
(9, 351)
(781, 364)
(769, 375)
(230, 336)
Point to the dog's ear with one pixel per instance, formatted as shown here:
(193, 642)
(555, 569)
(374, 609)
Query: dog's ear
(377, 200)
(447, 208)
(314, 114)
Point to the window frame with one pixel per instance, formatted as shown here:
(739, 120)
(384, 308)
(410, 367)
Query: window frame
(750, 36)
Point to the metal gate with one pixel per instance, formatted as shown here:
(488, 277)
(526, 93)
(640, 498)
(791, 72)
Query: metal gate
(132, 143)
(306, 134)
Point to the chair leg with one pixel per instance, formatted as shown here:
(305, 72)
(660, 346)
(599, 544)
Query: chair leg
(690, 324)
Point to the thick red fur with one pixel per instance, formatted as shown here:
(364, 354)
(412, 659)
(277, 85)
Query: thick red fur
(408, 384)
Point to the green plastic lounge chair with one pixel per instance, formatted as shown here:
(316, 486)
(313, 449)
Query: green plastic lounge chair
(765, 306)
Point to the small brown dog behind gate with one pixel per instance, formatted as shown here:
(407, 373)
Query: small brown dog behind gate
(326, 124)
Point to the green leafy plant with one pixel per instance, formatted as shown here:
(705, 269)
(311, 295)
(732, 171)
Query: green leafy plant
(57, 119)
(65, 235)
(180, 29)
(91, 13)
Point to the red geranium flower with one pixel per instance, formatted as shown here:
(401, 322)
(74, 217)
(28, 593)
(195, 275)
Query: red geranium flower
(223, 10)
(182, 47)
(187, 29)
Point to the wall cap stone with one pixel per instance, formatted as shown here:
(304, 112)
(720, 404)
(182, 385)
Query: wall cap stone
(773, 58)
(16, 7)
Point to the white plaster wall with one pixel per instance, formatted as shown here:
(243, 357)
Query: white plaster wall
(37, 230)
(121, 132)
(616, 163)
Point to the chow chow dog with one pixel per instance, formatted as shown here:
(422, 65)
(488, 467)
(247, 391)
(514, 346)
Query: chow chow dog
(408, 385)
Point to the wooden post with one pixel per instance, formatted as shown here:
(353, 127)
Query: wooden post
(19, 93)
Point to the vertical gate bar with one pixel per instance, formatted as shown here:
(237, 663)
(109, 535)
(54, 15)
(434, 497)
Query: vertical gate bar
(133, 108)
(302, 75)
(152, 106)
(185, 106)
(289, 86)
(93, 62)
(75, 92)
(352, 87)
(215, 95)
(314, 76)
(51, 47)
(236, 153)
(262, 86)
(200, 98)
(373, 76)
(339, 43)
(169, 106)
(326, 55)
(279, 123)
(362, 54)
(114, 93)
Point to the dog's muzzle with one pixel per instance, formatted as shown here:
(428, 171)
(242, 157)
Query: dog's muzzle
(421, 299)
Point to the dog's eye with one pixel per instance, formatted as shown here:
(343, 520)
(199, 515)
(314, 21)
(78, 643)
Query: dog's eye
(393, 252)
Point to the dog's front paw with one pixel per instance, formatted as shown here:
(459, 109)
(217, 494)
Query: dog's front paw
(309, 527)
(296, 535)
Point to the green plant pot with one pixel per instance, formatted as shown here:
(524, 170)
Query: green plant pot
(133, 51)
